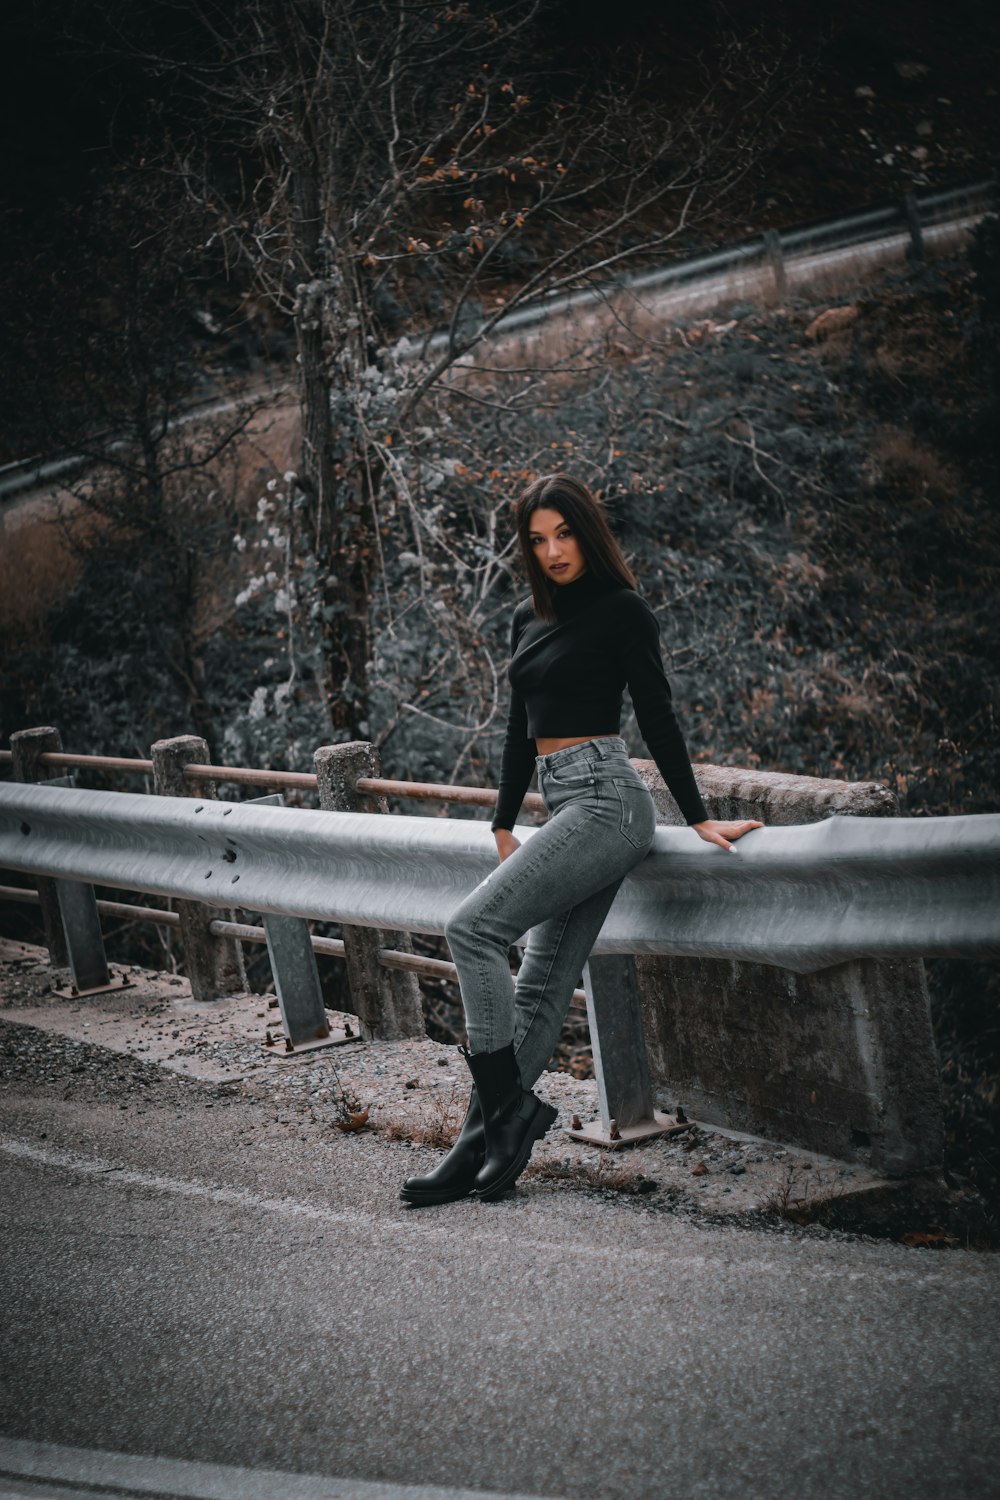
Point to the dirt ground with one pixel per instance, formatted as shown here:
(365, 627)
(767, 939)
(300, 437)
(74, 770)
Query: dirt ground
(147, 1034)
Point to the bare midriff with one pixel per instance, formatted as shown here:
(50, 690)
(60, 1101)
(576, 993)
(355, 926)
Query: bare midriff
(546, 747)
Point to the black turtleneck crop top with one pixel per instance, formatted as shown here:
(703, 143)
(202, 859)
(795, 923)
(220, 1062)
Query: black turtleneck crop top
(567, 679)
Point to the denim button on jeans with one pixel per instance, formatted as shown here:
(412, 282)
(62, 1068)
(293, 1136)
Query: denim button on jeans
(558, 888)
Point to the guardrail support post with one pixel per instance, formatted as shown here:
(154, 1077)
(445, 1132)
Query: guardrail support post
(84, 939)
(81, 926)
(776, 260)
(296, 978)
(27, 747)
(387, 1001)
(911, 212)
(621, 1065)
(214, 966)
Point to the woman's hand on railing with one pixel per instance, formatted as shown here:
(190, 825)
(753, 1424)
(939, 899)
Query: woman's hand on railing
(715, 832)
(506, 842)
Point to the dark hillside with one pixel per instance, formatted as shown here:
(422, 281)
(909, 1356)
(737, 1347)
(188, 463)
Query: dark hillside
(815, 514)
(872, 101)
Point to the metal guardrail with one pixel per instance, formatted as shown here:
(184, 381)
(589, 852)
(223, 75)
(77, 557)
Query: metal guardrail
(386, 786)
(801, 897)
(907, 215)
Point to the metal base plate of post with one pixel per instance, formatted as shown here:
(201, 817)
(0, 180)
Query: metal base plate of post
(629, 1135)
(279, 1048)
(118, 979)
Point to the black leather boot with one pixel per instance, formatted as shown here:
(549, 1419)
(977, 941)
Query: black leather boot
(453, 1178)
(514, 1119)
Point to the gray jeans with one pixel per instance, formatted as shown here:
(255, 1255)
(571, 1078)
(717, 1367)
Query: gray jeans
(559, 884)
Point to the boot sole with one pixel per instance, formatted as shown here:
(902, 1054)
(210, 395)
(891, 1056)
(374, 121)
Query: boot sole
(545, 1117)
(439, 1195)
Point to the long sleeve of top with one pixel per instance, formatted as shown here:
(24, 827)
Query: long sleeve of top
(568, 679)
(518, 759)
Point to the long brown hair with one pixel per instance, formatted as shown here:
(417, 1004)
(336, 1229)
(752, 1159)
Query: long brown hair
(589, 525)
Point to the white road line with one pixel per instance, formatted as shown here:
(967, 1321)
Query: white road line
(130, 1477)
(416, 1228)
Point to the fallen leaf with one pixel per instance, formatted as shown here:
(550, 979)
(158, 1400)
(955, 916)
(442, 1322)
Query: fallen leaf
(832, 321)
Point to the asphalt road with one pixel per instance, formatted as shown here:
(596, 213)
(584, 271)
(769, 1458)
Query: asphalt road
(186, 1277)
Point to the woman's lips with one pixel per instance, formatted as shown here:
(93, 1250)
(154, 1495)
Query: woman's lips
(559, 567)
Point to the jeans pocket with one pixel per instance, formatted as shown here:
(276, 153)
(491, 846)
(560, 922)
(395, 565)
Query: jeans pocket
(580, 774)
(638, 816)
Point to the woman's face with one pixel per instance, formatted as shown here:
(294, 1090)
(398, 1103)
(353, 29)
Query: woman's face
(555, 546)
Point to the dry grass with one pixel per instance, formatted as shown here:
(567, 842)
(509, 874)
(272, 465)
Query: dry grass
(436, 1124)
(629, 322)
(843, 278)
(265, 451)
(799, 1195)
(913, 467)
(607, 1176)
(37, 567)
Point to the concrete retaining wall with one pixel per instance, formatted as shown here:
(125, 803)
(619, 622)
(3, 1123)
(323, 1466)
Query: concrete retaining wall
(841, 1061)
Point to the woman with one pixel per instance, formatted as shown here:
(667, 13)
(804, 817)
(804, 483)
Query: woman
(584, 635)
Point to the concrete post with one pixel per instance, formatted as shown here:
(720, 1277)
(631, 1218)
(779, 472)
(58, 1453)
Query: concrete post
(841, 1061)
(27, 748)
(386, 1001)
(213, 965)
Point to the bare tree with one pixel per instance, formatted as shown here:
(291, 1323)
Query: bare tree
(387, 169)
(111, 370)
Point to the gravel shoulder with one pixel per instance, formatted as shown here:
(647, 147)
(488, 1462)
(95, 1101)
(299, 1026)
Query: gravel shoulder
(137, 1060)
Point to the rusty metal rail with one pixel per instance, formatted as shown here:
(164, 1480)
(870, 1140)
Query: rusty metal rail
(245, 932)
(385, 786)
(123, 909)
